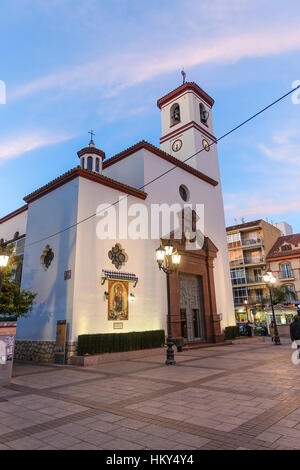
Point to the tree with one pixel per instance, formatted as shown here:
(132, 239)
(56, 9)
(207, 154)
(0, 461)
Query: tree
(14, 301)
(282, 294)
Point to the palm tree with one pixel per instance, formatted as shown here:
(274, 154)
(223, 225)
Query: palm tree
(282, 294)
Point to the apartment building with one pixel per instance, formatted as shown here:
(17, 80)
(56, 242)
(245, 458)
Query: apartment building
(284, 262)
(248, 244)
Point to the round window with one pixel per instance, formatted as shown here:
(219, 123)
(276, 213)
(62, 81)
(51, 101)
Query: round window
(184, 192)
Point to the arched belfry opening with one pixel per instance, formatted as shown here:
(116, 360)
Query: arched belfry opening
(204, 114)
(174, 114)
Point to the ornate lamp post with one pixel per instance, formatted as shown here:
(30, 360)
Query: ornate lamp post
(3, 263)
(270, 280)
(168, 260)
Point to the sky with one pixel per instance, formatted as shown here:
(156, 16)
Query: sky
(74, 65)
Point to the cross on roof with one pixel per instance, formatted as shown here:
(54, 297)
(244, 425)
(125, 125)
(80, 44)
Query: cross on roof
(92, 134)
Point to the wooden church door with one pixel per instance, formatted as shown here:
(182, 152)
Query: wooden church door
(191, 307)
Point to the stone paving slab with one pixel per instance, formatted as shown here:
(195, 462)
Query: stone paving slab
(52, 378)
(250, 382)
(112, 390)
(178, 373)
(243, 396)
(122, 367)
(20, 369)
(183, 357)
(222, 363)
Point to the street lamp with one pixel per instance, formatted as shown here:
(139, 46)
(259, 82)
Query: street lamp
(246, 305)
(3, 263)
(168, 260)
(270, 280)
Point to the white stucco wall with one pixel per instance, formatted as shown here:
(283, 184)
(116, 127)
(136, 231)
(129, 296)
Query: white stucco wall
(15, 224)
(90, 313)
(206, 162)
(201, 192)
(214, 221)
(49, 215)
(166, 190)
(81, 299)
(129, 170)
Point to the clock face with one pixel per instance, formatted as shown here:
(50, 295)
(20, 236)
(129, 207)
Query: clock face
(205, 145)
(177, 144)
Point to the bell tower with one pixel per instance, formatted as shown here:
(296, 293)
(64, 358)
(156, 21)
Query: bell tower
(91, 158)
(187, 128)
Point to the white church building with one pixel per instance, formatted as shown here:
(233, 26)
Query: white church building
(74, 269)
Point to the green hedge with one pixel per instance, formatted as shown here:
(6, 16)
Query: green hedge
(117, 342)
(232, 332)
(4, 318)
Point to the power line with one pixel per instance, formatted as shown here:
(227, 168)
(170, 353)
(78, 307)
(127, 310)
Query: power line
(170, 169)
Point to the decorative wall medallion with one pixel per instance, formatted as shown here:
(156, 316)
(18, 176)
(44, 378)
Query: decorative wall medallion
(47, 257)
(117, 256)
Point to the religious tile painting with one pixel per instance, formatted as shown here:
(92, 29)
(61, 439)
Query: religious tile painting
(117, 300)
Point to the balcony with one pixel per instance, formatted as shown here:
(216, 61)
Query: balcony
(239, 301)
(247, 280)
(255, 260)
(258, 299)
(250, 260)
(252, 241)
(255, 280)
(252, 300)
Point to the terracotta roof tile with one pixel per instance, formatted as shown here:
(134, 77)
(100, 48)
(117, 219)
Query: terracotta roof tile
(184, 87)
(91, 175)
(276, 252)
(143, 144)
(14, 213)
(254, 223)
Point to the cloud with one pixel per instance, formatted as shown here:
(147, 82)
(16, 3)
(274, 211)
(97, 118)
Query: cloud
(275, 190)
(114, 72)
(16, 146)
(284, 148)
(261, 205)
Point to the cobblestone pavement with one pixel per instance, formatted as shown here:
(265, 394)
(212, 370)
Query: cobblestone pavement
(243, 396)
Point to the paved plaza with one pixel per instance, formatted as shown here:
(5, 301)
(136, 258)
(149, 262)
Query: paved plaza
(241, 396)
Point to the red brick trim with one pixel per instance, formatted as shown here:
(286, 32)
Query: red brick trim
(189, 86)
(91, 151)
(186, 127)
(160, 153)
(175, 123)
(80, 172)
(13, 214)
